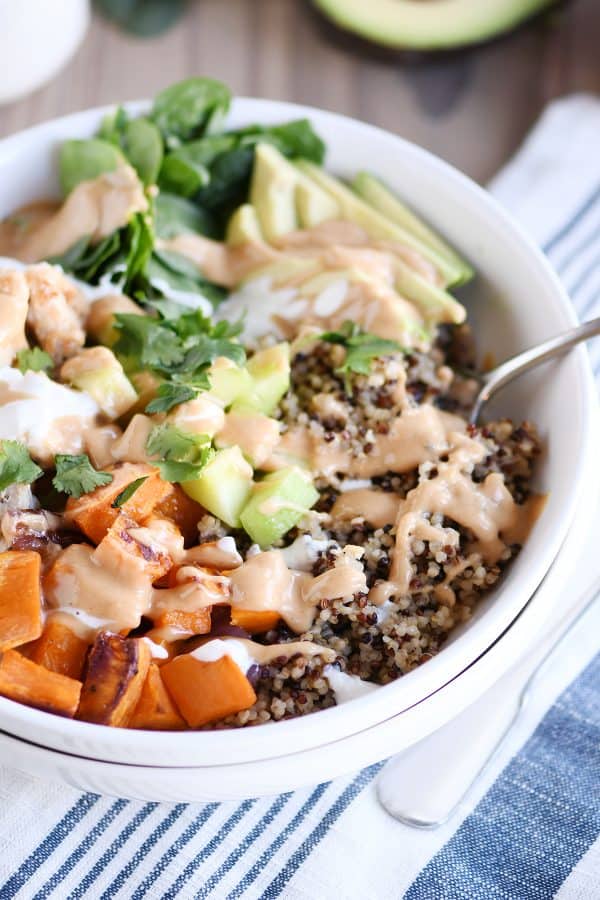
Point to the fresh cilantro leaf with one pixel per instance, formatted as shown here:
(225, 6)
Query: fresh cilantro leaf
(361, 347)
(16, 465)
(181, 454)
(34, 360)
(75, 475)
(171, 394)
(128, 492)
(147, 341)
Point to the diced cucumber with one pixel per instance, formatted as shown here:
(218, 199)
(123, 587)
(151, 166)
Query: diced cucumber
(254, 433)
(244, 226)
(228, 381)
(273, 192)
(223, 486)
(277, 503)
(270, 373)
(378, 226)
(98, 372)
(377, 195)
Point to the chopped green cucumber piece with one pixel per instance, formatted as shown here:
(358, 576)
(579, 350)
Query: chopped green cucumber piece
(254, 433)
(223, 486)
(273, 192)
(377, 195)
(270, 372)
(228, 381)
(244, 226)
(277, 503)
(98, 372)
(378, 226)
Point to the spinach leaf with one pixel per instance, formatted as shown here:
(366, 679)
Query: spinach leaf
(189, 108)
(143, 147)
(112, 125)
(82, 160)
(175, 215)
(295, 138)
(186, 169)
(170, 272)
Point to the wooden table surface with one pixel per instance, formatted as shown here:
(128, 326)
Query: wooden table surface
(472, 108)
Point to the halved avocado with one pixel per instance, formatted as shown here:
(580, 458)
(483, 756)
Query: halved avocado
(430, 24)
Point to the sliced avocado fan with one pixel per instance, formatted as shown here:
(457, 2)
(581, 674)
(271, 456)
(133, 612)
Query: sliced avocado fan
(430, 24)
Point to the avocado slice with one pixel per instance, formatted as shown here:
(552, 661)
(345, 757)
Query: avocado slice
(273, 192)
(223, 486)
(375, 193)
(434, 25)
(435, 304)
(314, 205)
(378, 226)
(244, 227)
(277, 503)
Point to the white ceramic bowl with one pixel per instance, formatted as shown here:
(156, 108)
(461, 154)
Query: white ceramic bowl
(515, 302)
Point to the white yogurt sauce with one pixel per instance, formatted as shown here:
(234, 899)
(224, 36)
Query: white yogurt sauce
(257, 301)
(214, 650)
(347, 687)
(39, 410)
(303, 553)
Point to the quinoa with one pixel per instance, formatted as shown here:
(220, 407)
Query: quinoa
(379, 643)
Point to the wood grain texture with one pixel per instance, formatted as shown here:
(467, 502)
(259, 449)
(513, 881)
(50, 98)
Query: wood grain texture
(472, 108)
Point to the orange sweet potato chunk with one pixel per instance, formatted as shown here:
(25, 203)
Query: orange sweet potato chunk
(197, 621)
(26, 682)
(254, 621)
(155, 710)
(207, 691)
(116, 671)
(127, 543)
(183, 511)
(60, 650)
(94, 514)
(20, 598)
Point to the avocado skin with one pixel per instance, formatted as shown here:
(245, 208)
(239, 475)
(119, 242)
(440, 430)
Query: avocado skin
(387, 50)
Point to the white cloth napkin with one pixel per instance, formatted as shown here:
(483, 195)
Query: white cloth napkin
(335, 840)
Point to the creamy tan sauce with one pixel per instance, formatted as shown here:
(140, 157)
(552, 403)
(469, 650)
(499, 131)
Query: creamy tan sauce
(375, 506)
(486, 509)
(255, 434)
(264, 582)
(93, 209)
(416, 436)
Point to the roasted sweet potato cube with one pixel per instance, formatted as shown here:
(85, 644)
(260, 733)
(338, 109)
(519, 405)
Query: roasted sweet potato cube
(20, 598)
(254, 621)
(116, 671)
(59, 649)
(197, 621)
(26, 682)
(94, 513)
(155, 710)
(207, 691)
(128, 545)
(181, 509)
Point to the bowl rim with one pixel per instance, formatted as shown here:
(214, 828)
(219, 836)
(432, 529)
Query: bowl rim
(334, 723)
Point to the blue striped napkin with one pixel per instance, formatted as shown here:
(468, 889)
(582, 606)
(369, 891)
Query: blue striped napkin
(532, 832)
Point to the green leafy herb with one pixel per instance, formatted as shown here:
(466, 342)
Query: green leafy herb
(175, 215)
(75, 475)
(361, 347)
(16, 465)
(180, 348)
(172, 394)
(181, 455)
(191, 107)
(142, 145)
(34, 360)
(82, 160)
(128, 492)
